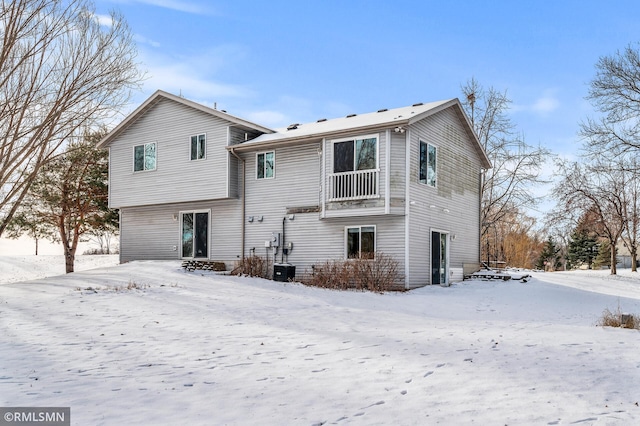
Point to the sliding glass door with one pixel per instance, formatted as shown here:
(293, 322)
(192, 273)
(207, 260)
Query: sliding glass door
(195, 234)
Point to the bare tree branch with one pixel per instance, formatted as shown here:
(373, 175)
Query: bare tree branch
(516, 166)
(61, 72)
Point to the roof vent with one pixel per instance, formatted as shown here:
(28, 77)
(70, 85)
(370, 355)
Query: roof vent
(351, 115)
(224, 110)
(293, 126)
(418, 104)
(383, 110)
(321, 120)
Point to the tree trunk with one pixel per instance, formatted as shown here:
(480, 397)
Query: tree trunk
(36, 246)
(69, 259)
(614, 270)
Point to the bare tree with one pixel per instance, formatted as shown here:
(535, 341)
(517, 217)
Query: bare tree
(597, 187)
(61, 72)
(521, 243)
(516, 166)
(615, 94)
(614, 135)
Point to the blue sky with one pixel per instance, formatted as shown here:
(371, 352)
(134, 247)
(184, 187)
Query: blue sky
(279, 62)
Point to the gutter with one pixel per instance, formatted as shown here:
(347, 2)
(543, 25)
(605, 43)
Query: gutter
(244, 185)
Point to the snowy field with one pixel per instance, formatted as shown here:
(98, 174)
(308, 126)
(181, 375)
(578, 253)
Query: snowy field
(201, 349)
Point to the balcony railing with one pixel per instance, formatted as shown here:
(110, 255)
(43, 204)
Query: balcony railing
(358, 185)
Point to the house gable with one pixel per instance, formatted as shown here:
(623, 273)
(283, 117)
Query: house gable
(165, 125)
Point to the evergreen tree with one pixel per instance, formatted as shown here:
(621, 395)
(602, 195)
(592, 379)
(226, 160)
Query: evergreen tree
(549, 259)
(582, 249)
(69, 197)
(604, 256)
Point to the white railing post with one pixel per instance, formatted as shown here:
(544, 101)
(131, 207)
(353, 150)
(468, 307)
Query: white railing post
(357, 185)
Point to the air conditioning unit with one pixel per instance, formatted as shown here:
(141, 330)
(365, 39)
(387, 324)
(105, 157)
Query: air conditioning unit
(284, 272)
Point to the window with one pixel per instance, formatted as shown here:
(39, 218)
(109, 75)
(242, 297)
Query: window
(361, 242)
(265, 165)
(198, 147)
(144, 157)
(356, 154)
(428, 160)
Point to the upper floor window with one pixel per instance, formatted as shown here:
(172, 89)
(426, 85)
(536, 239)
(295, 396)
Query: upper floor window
(198, 147)
(428, 162)
(355, 154)
(144, 157)
(361, 242)
(266, 164)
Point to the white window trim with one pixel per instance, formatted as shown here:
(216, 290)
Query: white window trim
(420, 142)
(346, 240)
(355, 138)
(134, 158)
(274, 164)
(205, 147)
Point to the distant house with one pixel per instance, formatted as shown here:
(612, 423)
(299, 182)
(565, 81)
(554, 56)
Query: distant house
(193, 182)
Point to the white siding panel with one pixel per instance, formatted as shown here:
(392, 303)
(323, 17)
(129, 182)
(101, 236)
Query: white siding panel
(397, 172)
(176, 178)
(316, 241)
(151, 232)
(296, 185)
(454, 206)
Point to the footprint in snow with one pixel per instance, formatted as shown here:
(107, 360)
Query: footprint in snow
(428, 373)
(374, 404)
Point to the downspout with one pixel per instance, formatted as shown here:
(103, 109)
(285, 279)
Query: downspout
(284, 219)
(407, 210)
(242, 229)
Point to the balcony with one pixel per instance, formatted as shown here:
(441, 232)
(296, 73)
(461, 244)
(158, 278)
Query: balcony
(357, 185)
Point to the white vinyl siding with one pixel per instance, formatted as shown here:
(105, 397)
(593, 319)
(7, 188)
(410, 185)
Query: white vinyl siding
(170, 126)
(453, 207)
(154, 232)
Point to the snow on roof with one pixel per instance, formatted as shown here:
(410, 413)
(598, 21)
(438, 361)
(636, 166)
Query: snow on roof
(383, 117)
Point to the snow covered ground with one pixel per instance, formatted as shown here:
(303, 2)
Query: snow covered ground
(201, 349)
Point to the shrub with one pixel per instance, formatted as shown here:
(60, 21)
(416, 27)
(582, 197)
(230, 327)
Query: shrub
(618, 319)
(253, 266)
(97, 251)
(378, 274)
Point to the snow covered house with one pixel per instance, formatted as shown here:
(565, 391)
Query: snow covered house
(194, 182)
